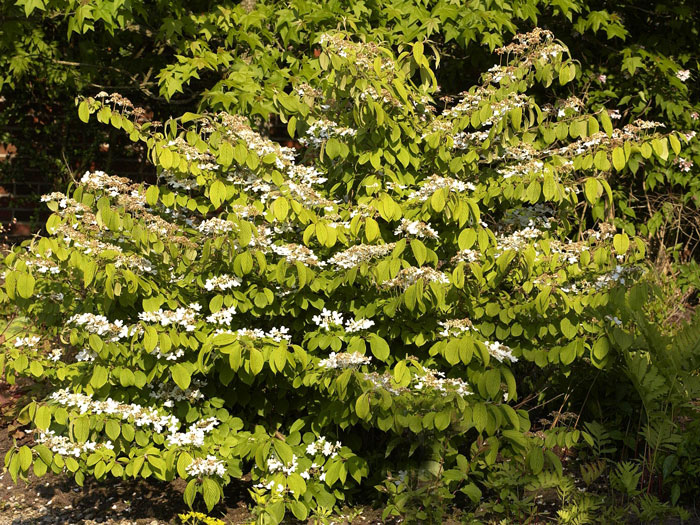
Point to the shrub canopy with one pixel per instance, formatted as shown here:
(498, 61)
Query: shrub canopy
(324, 315)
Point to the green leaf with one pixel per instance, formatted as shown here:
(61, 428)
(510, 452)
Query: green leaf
(284, 451)
(181, 375)
(535, 459)
(568, 329)
(25, 284)
(660, 147)
(217, 193)
(84, 111)
(379, 347)
(280, 208)
(25, 457)
(419, 251)
(606, 122)
(296, 484)
(211, 492)
(42, 419)
(152, 194)
(675, 144)
(592, 190)
(621, 243)
(191, 492)
(225, 157)
(183, 461)
(99, 378)
(618, 158)
(256, 361)
(112, 429)
(601, 348)
(81, 429)
(362, 406)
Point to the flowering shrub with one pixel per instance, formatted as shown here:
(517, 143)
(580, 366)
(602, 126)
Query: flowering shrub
(322, 316)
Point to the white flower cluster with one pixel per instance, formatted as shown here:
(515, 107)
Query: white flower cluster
(55, 354)
(436, 381)
(357, 325)
(435, 183)
(345, 360)
(222, 282)
(384, 382)
(518, 240)
(194, 435)
(173, 393)
(683, 75)
(417, 228)
(328, 319)
(356, 255)
(614, 277)
(172, 355)
(275, 465)
(431, 380)
(58, 197)
(85, 355)
(224, 316)
(464, 140)
(100, 325)
(498, 73)
(412, 274)
(532, 168)
(142, 416)
(209, 466)
(613, 319)
(684, 165)
(307, 175)
(319, 447)
(322, 130)
(466, 256)
(30, 341)
(65, 447)
(454, 327)
(500, 351)
(43, 266)
(272, 485)
(112, 186)
(323, 446)
(172, 180)
(183, 316)
(204, 160)
(537, 216)
(216, 226)
(297, 252)
(276, 334)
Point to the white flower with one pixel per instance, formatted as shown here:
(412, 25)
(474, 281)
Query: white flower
(417, 228)
(222, 282)
(209, 466)
(29, 341)
(328, 319)
(345, 360)
(183, 316)
(500, 351)
(224, 316)
(85, 355)
(683, 75)
(357, 325)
